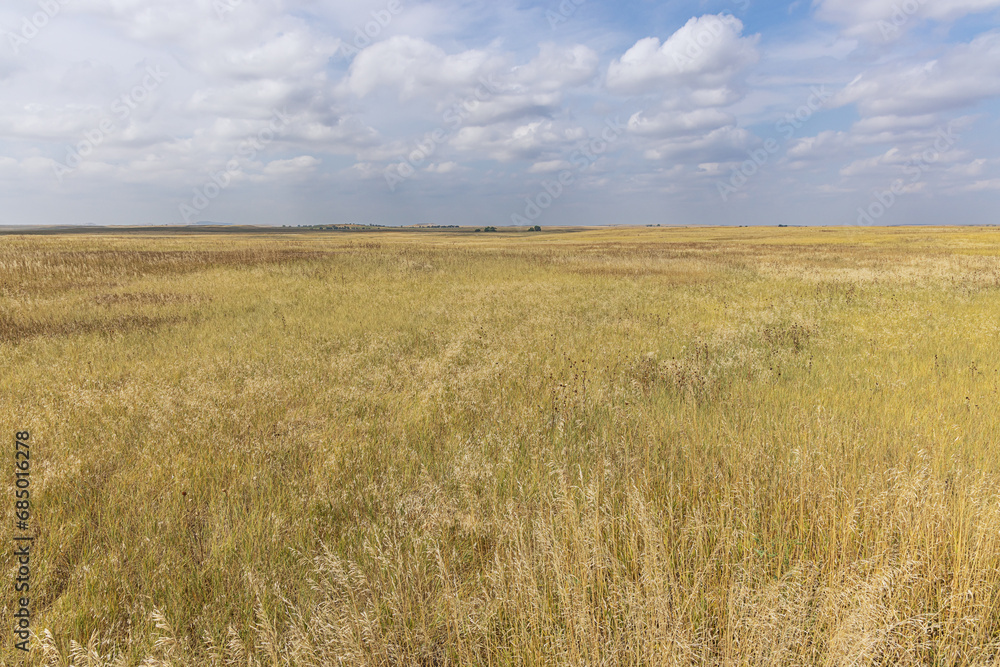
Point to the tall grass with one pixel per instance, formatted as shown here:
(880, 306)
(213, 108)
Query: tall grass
(607, 447)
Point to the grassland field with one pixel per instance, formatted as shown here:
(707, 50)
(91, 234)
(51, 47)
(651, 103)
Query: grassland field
(700, 446)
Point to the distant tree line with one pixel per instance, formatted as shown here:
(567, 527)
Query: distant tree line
(536, 228)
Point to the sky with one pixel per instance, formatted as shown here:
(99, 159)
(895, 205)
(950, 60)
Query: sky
(499, 112)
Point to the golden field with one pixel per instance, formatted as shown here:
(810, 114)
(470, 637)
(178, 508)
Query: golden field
(581, 447)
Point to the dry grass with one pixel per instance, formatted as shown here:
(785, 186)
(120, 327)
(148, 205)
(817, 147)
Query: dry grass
(607, 447)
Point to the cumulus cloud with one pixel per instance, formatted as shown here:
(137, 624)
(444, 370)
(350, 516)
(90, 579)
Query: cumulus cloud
(296, 166)
(719, 145)
(556, 68)
(879, 125)
(704, 54)
(890, 19)
(878, 130)
(675, 123)
(413, 67)
(823, 146)
(507, 142)
(693, 75)
(479, 87)
(549, 166)
(295, 51)
(502, 106)
(964, 75)
(443, 168)
(536, 88)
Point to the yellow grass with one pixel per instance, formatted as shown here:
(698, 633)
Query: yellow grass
(606, 447)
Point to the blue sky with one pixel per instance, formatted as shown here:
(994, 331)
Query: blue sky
(835, 112)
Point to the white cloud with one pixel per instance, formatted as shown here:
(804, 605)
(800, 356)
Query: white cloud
(679, 123)
(549, 166)
(964, 75)
(992, 184)
(894, 157)
(971, 169)
(502, 106)
(243, 100)
(556, 68)
(506, 142)
(479, 87)
(292, 53)
(443, 168)
(879, 125)
(695, 73)
(889, 19)
(720, 145)
(296, 166)
(415, 67)
(706, 53)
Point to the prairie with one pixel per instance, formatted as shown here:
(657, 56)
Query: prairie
(575, 447)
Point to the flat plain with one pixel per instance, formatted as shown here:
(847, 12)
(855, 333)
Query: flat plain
(577, 447)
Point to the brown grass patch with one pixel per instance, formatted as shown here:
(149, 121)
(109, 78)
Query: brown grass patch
(16, 330)
(146, 299)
